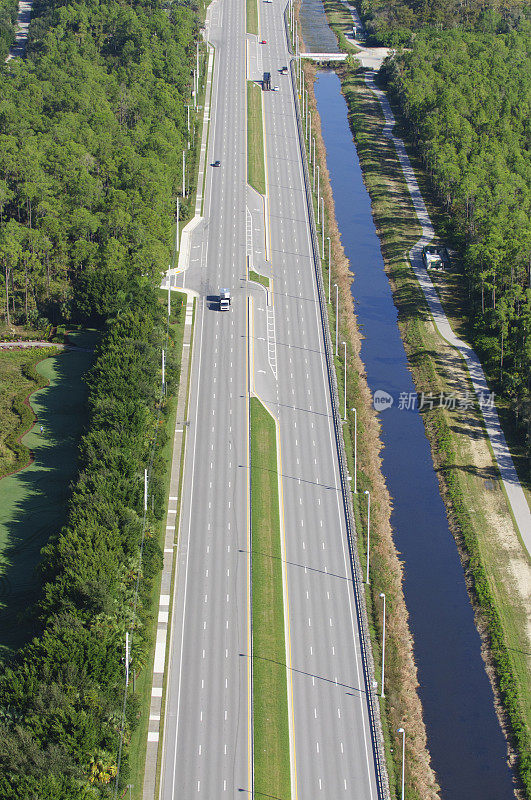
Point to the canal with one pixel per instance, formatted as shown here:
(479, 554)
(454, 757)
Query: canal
(465, 740)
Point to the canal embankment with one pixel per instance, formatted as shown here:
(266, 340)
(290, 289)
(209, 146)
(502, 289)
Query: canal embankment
(396, 216)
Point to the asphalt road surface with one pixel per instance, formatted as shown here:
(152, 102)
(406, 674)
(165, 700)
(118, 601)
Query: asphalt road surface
(207, 744)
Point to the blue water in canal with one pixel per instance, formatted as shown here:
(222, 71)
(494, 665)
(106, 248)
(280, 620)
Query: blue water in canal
(465, 740)
(318, 36)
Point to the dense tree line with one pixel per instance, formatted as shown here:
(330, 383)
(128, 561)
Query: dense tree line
(395, 22)
(467, 99)
(92, 128)
(61, 698)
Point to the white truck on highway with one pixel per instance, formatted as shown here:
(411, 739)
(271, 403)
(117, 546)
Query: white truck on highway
(224, 299)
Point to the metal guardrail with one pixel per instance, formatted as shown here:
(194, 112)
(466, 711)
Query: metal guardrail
(361, 608)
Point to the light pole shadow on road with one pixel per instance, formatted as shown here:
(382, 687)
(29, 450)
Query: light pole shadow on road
(354, 691)
(300, 566)
(295, 478)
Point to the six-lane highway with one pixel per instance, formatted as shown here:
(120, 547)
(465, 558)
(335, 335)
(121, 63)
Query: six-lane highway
(271, 346)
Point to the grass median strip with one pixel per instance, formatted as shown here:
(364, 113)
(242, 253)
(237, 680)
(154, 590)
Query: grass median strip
(255, 276)
(255, 138)
(270, 699)
(252, 17)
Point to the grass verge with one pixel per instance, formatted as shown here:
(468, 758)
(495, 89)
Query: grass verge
(138, 745)
(208, 127)
(252, 17)
(255, 138)
(187, 205)
(255, 276)
(340, 20)
(178, 512)
(270, 698)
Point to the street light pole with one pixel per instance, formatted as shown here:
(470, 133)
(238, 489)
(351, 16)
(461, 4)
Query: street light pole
(145, 489)
(329, 269)
(318, 194)
(184, 173)
(197, 60)
(345, 387)
(298, 60)
(368, 528)
(127, 658)
(355, 451)
(177, 224)
(322, 225)
(402, 731)
(382, 596)
(314, 160)
(337, 313)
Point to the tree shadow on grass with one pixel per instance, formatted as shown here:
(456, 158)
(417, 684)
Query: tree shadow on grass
(34, 501)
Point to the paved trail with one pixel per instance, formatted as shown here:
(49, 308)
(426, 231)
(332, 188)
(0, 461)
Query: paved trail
(21, 32)
(25, 344)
